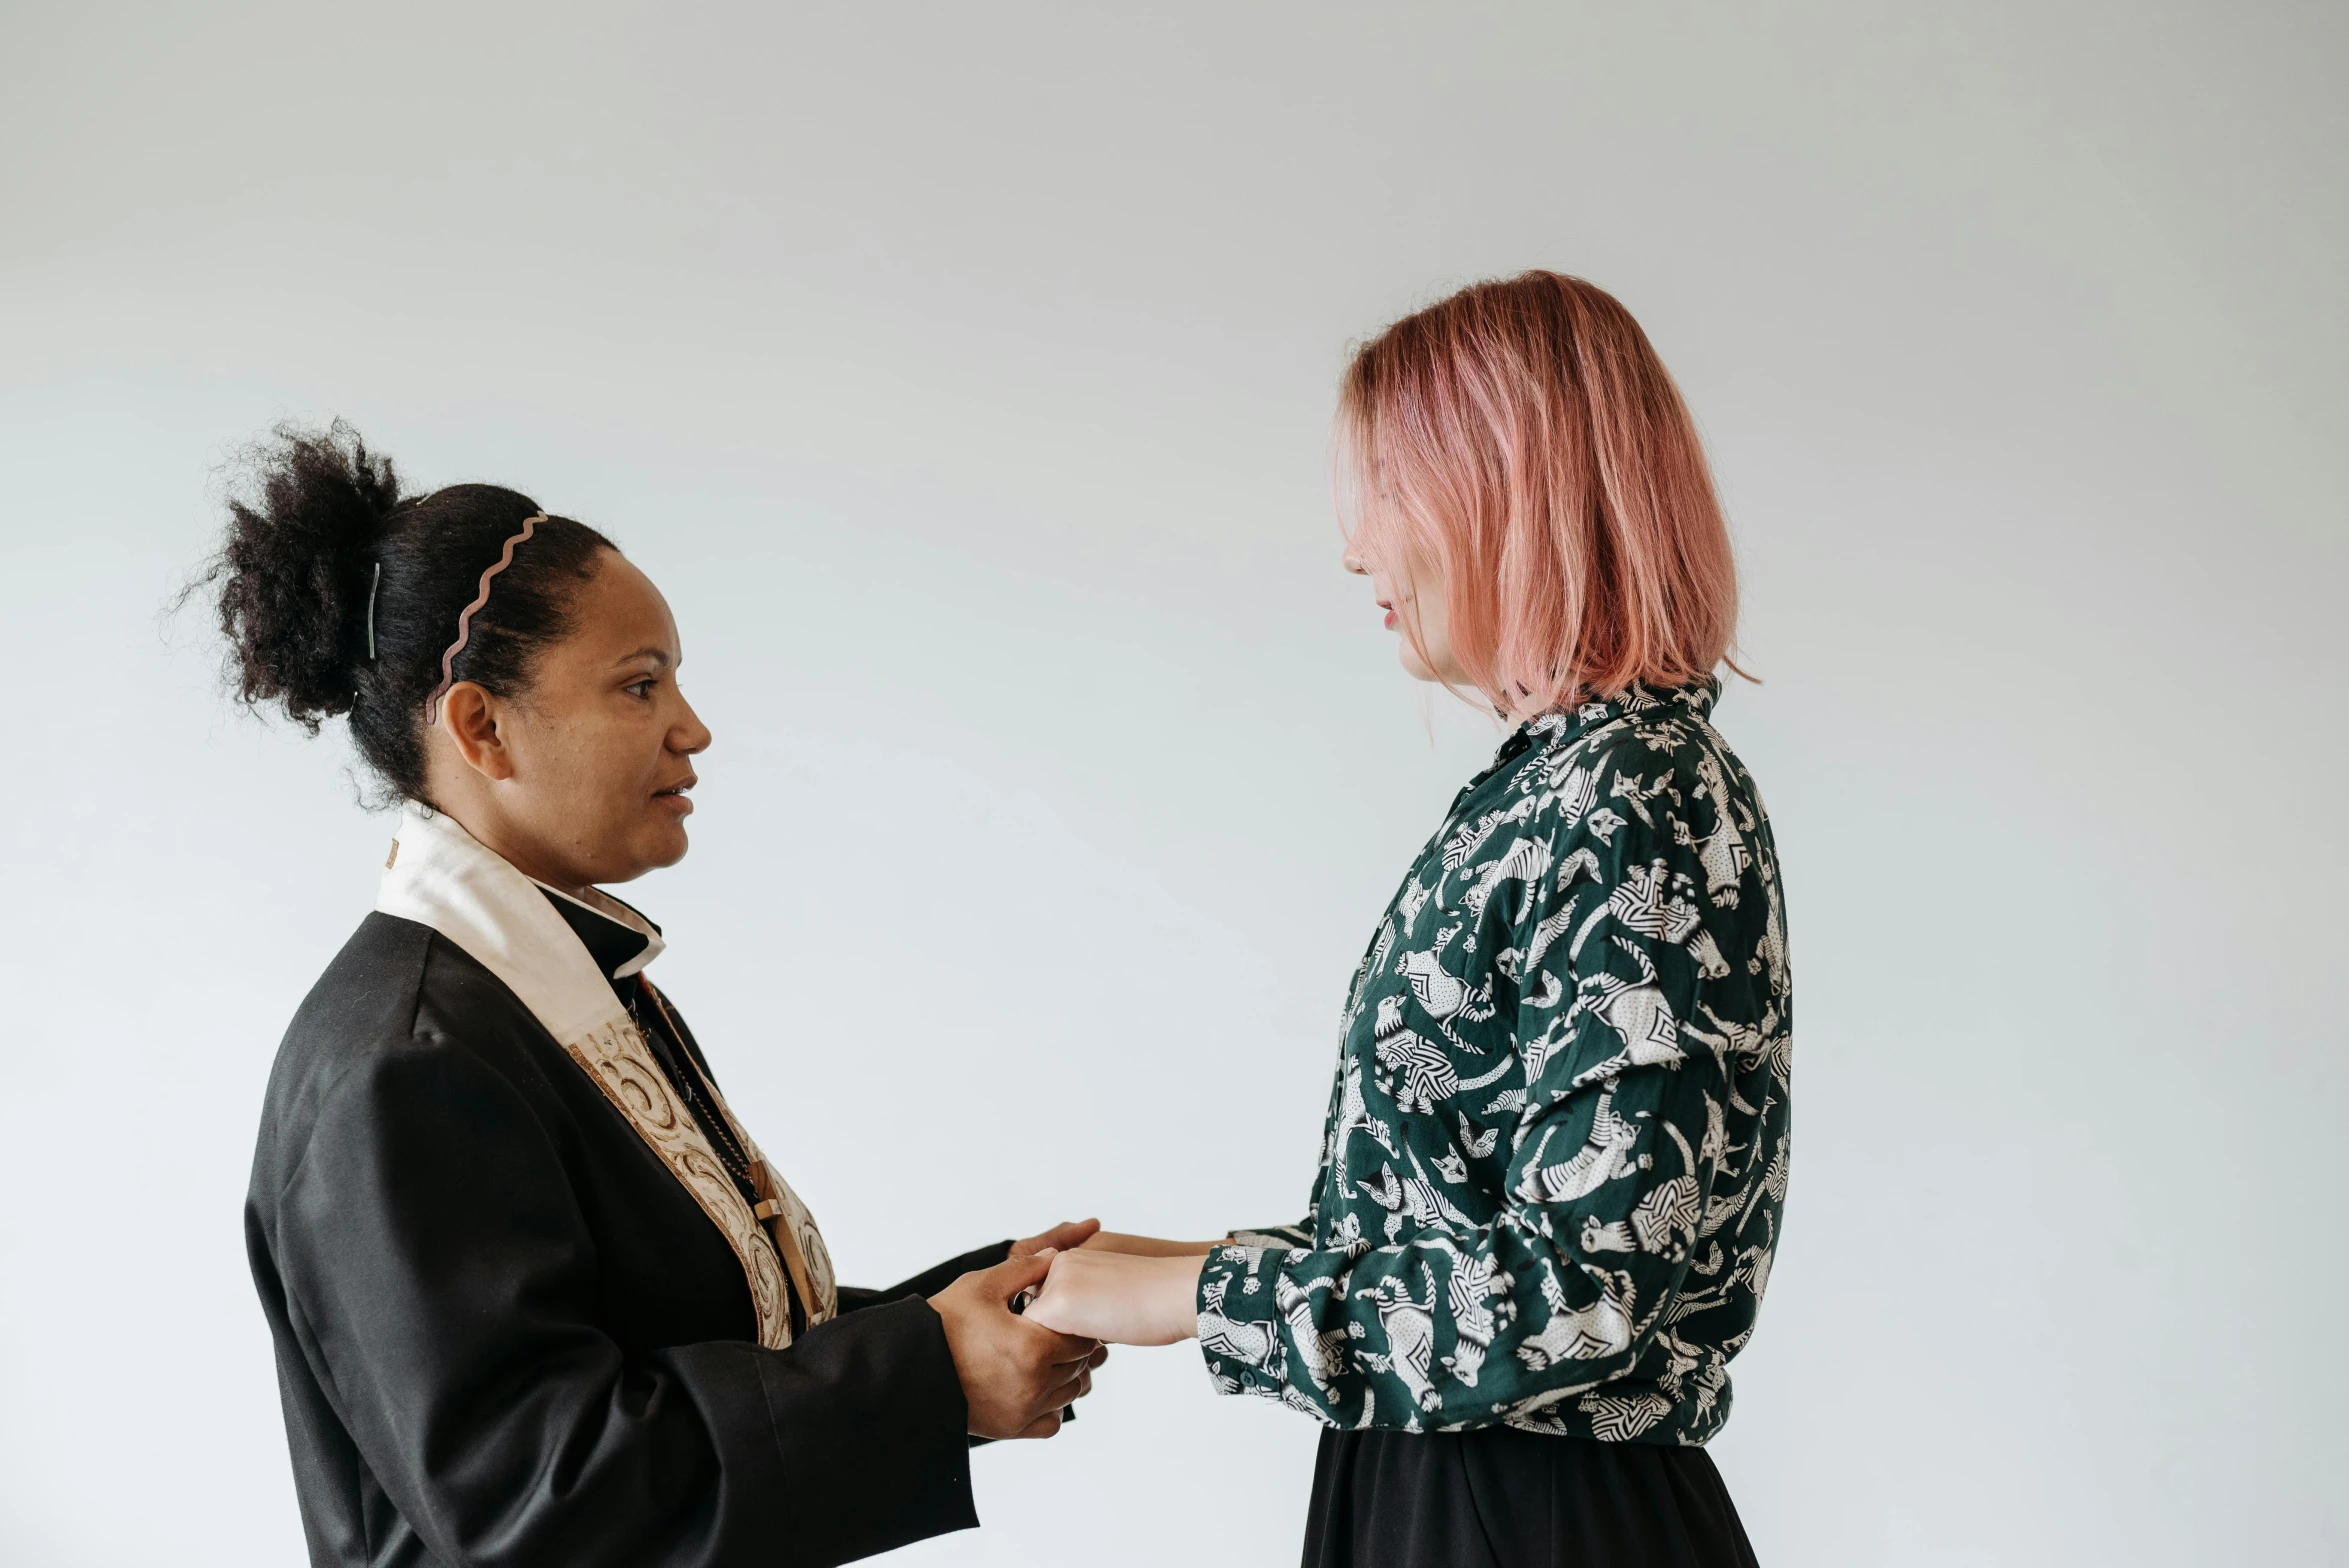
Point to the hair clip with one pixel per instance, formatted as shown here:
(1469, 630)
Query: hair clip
(372, 586)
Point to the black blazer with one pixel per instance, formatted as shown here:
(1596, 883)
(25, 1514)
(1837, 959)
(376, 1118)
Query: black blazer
(505, 1334)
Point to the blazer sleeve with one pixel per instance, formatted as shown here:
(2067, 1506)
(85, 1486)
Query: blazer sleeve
(439, 1275)
(855, 1298)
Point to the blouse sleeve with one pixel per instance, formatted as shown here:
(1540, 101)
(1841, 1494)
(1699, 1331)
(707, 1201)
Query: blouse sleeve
(436, 1267)
(1616, 963)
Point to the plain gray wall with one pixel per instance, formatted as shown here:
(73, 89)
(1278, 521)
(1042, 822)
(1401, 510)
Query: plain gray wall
(963, 375)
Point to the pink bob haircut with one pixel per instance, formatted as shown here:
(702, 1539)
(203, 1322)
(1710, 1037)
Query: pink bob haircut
(1523, 439)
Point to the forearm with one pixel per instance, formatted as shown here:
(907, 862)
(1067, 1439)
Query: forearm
(1149, 1246)
(1122, 1298)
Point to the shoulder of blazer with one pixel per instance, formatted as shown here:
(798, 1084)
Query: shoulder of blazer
(396, 985)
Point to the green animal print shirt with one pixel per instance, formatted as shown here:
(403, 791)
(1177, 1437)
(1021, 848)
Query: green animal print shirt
(1556, 1153)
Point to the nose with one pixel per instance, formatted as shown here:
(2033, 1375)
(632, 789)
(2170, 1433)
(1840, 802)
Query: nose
(1353, 563)
(689, 735)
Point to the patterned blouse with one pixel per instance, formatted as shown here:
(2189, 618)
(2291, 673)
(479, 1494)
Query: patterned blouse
(1556, 1152)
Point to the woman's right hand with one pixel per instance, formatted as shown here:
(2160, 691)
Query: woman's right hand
(1123, 1298)
(1017, 1375)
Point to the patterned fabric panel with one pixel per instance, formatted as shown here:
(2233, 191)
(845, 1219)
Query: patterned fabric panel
(616, 1057)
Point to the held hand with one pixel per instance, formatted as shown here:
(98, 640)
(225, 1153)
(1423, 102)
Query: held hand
(1147, 1246)
(1016, 1373)
(1067, 1234)
(1118, 1297)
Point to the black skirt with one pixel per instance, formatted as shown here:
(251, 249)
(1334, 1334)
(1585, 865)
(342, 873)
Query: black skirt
(1501, 1498)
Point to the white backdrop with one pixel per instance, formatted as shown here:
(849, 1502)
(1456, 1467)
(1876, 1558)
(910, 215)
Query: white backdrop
(962, 373)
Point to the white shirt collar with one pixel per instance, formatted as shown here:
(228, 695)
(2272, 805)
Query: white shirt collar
(441, 876)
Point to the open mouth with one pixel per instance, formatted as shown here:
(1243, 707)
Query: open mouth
(677, 798)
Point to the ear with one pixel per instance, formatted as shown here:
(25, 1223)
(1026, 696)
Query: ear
(469, 717)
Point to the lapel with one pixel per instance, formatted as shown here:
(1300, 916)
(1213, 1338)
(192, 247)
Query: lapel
(439, 875)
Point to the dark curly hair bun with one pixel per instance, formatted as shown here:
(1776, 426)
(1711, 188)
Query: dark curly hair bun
(294, 571)
(322, 536)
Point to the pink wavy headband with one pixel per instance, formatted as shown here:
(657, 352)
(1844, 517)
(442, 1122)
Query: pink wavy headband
(448, 660)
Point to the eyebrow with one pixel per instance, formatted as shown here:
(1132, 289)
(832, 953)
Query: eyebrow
(659, 656)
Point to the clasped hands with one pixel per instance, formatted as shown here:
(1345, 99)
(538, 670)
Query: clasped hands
(1022, 1362)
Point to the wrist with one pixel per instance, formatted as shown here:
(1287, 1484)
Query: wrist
(1178, 1296)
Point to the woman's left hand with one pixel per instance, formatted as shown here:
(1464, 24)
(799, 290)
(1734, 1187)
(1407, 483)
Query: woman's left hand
(1120, 1298)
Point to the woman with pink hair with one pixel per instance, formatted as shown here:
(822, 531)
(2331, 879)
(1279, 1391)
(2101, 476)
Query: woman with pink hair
(1551, 1179)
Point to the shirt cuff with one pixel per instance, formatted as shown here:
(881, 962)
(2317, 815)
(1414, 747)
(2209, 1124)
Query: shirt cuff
(1239, 1328)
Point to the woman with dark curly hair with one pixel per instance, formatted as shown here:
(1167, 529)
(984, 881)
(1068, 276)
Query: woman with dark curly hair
(537, 1296)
